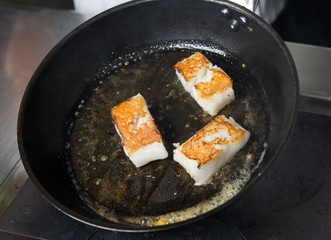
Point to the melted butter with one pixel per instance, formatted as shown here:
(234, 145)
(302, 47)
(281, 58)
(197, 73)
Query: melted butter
(229, 190)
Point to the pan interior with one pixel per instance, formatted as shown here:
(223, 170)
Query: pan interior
(160, 192)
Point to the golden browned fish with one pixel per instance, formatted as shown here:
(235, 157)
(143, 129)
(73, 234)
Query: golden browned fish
(211, 148)
(141, 140)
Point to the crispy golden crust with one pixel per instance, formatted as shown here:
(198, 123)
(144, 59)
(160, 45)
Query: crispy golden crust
(126, 116)
(218, 83)
(199, 149)
(190, 67)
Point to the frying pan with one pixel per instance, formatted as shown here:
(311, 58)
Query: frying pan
(68, 144)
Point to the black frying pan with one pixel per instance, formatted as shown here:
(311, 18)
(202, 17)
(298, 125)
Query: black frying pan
(69, 146)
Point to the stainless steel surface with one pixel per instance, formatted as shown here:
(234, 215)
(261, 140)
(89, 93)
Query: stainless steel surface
(249, 4)
(313, 66)
(27, 34)
(11, 185)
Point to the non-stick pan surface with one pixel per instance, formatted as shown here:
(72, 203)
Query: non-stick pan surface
(136, 195)
(68, 143)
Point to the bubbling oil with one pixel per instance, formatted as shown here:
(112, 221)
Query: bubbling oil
(161, 192)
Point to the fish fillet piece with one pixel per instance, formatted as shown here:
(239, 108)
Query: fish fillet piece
(209, 85)
(214, 91)
(211, 148)
(192, 69)
(141, 140)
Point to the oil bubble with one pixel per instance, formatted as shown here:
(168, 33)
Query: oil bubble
(103, 158)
